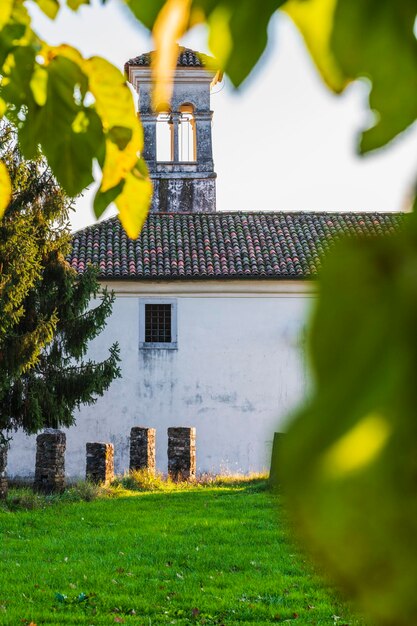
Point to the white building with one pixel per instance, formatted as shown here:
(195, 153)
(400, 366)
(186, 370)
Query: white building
(211, 306)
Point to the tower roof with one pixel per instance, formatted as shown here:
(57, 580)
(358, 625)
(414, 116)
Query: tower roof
(186, 58)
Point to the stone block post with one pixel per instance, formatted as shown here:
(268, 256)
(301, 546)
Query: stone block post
(50, 461)
(181, 453)
(274, 479)
(142, 449)
(3, 475)
(100, 462)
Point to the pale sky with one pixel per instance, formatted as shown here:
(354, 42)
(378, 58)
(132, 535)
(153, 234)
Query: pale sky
(282, 142)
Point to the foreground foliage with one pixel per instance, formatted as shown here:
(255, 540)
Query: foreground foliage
(91, 109)
(357, 436)
(205, 554)
(354, 493)
(87, 103)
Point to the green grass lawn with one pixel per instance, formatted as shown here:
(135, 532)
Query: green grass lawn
(201, 555)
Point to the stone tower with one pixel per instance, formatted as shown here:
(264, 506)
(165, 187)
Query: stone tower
(178, 142)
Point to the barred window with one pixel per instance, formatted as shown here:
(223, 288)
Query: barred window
(158, 323)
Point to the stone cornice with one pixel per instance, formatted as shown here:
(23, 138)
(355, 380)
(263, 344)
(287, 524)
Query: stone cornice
(214, 288)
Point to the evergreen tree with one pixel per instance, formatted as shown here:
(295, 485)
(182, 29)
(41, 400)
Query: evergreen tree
(46, 322)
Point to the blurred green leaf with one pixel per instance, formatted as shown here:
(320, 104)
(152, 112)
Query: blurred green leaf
(71, 147)
(49, 7)
(237, 32)
(21, 64)
(74, 5)
(146, 11)
(43, 93)
(103, 199)
(350, 457)
(234, 38)
(376, 40)
(10, 34)
(314, 19)
(120, 135)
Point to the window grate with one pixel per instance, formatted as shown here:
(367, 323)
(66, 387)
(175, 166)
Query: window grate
(158, 323)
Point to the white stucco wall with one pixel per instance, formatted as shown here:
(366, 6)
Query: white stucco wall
(236, 374)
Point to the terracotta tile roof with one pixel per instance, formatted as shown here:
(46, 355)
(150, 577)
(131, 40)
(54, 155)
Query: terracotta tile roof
(186, 58)
(220, 245)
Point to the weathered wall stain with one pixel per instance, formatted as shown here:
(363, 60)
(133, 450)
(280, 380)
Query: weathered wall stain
(236, 374)
(225, 398)
(195, 400)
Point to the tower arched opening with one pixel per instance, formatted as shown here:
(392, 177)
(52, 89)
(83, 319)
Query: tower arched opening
(164, 137)
(187, 148)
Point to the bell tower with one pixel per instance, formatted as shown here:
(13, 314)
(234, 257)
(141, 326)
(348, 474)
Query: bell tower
(178, 142)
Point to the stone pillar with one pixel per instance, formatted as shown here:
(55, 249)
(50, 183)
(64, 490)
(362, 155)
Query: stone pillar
(181, 453)
(50, 461)
(274, 470)
(175, 137)
(142, 449)
(203, 121)
(3, 475)
(149, 145)
(100, 462)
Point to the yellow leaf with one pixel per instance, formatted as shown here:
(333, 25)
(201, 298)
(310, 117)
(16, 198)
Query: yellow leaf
(39, 85)
(133, 203)
(124, 135)
(81, 123)
(314, 19)
(197, 16)
(49, 7)
(170, 25)
(3, 107)
(108, 85)
(6, 7)
(74, 5)
(50, 52)
(220, 38)
(357, 448)
(115, 107)
(114, 104)
(5, 188)
(115, 166)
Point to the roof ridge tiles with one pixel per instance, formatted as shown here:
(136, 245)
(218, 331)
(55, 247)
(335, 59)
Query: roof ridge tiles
(313, 214)
(186, 58)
